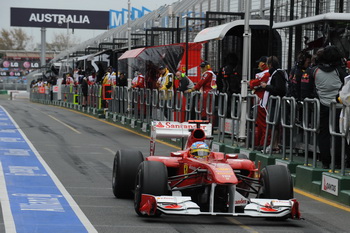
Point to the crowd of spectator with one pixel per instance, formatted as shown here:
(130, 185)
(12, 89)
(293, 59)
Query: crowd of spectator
(320, 76)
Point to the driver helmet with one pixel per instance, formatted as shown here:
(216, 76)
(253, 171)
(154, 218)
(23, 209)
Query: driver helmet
(199, 150)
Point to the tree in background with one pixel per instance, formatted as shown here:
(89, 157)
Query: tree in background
(61, 42)
(14, 39)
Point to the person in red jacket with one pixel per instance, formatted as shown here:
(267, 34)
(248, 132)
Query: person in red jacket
(139, 81)
(255, 86)
(205, 84)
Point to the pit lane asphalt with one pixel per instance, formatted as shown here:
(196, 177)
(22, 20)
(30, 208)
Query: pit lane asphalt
(80, 150)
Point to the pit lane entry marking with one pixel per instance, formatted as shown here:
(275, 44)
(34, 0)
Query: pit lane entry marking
(32, 197)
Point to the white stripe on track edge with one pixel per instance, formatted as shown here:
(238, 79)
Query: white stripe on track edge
(9, 223)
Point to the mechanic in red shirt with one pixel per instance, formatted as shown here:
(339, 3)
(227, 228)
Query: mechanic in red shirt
(255, 86)
(140, 81)
(69, 79)
(205, 84)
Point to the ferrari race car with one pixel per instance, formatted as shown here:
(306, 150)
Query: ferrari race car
(195, 181)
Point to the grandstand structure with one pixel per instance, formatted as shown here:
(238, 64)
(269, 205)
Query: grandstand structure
(295, 25)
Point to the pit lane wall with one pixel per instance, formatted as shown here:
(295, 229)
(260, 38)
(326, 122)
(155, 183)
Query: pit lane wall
(234, 120)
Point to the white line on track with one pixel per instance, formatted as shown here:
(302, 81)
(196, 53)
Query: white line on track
(109, 150)
(68, 126)
(9, 223)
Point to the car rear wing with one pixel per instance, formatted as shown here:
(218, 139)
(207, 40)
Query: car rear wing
(174, 129)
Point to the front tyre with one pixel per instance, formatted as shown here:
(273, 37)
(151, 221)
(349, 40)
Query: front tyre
(125, 167)
(276, 183)
(152, 178)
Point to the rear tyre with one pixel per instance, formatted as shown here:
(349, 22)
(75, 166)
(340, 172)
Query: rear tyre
(152, 178)
(125, 167)
(276, 183)
(242, 156)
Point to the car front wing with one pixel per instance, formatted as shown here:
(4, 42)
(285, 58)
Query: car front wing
(254, 207)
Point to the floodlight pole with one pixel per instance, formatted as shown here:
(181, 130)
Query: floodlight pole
(245, 67)
(43, 47)
(129, 45)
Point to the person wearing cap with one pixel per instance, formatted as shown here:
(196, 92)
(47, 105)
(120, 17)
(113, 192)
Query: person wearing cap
(105, 78)
(165, 83)
(255, 86)
(112, 79)
(296, 76)
(262, 76)
(165, 80)
(205, 84)
(122, 80)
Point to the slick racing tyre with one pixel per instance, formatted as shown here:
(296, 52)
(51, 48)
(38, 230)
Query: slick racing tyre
(126, 163)
(152, 178)
(242, 156)
(276, 183)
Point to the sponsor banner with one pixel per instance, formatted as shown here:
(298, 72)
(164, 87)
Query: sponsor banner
(12, 64)
(118, 18)
(330, 185)
(41, 90)
(52, 18)
(174, 129)
(55, 89)
(228, 126)
(11, 73)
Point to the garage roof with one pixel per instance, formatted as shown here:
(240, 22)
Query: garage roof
(314, 19)
(219, 32)
(131, 53)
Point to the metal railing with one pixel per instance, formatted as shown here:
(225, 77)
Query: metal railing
(337, 131)
(146, 105)
(311, 124)
(288, 123)
(252, 112)
(272, 120)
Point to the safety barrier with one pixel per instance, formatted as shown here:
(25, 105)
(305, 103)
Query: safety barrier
(311, 123)
(288, 124)
(189, 106)
(252, 112)
(222, 112)
(198, 104)
(272, 120)
(146, 105)
(341, 132)
(178, 106)
(236, 103)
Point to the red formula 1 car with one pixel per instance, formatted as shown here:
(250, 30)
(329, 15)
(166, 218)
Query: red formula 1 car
(194, 182)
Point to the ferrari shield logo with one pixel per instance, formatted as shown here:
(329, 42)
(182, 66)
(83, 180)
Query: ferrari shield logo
(185, 168)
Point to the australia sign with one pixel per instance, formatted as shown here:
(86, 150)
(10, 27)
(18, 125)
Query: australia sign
(48, 18)
(51, 18)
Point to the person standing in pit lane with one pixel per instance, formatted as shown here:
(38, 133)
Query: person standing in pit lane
(276, 86)
(328, 77)
(139, 81)
(255, 86)
(185, 83)
(165, 83)
(205, 85)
